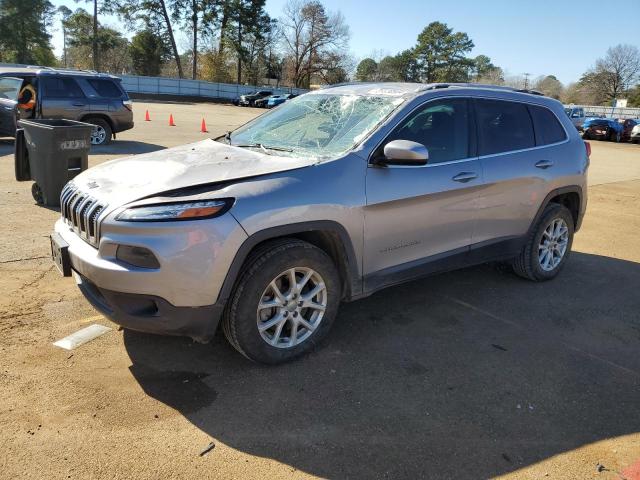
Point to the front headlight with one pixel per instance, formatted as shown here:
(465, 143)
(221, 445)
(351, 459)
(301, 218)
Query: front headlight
(165, 212)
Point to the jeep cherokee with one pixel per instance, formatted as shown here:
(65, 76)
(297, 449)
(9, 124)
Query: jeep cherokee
(332, 196)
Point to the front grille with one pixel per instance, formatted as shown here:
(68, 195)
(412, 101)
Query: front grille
(82, 213)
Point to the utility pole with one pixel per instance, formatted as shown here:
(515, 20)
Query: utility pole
(526, 80)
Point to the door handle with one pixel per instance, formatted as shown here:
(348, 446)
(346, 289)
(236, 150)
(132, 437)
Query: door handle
(79, 104)
(544, 164)
(464, 177)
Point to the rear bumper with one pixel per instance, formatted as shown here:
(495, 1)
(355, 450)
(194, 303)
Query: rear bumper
(150, 314)
(121, 126)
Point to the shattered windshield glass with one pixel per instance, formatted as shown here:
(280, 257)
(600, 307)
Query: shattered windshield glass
(317, 125)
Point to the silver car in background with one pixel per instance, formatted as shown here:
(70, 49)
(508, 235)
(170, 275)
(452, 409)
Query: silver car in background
(332, 196)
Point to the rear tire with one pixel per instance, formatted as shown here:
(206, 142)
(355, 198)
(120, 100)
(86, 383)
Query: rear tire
(547, 249)
(270, 325)
(102, 134)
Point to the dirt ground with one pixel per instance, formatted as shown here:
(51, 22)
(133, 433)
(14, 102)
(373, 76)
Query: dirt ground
(470, 374)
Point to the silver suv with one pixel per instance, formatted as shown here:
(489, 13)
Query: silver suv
(328, 198)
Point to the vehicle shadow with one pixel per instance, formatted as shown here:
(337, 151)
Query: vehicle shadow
(125, 147)
(469, 374)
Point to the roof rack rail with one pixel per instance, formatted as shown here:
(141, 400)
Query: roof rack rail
(435, 86)
(527, 90)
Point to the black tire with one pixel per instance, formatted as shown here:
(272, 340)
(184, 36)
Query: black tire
(527, 264)
(102, 123)
(615, 136)
(585, 135)
(239, 321)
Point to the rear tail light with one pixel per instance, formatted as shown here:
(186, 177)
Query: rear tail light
(128, 104)
(587, 146)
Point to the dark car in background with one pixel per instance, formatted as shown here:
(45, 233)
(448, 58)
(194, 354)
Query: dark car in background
(627, 128)
(85, 96)
(602, 129)
(250, 99)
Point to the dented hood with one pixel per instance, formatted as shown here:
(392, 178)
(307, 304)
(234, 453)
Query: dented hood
(127, 179)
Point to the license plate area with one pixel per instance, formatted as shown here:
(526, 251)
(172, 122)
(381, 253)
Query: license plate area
(60, 254)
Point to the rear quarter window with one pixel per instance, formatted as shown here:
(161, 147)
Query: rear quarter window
(548, 129)
(105, 88)
(503, 126)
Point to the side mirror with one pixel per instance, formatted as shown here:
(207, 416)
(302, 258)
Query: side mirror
(404, 152)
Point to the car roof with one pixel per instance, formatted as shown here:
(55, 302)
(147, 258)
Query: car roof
(50, 71)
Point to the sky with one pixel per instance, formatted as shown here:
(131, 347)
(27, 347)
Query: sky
(539, 37)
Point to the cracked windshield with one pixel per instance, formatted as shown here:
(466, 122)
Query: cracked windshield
(318, 125)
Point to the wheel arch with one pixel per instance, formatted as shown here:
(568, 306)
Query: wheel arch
(101, 116)
(570, 197)
(329, 236)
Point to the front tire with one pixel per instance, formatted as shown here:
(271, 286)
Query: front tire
(284, 302)
(548, 245)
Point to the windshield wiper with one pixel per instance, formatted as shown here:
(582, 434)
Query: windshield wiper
(264, 147)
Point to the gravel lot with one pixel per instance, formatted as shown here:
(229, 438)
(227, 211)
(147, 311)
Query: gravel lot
(470, 374)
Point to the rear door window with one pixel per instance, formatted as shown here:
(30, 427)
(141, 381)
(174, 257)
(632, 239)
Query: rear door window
(53, 87)
(503, 126)
(105, 88)
(442, 126)
(547, 127)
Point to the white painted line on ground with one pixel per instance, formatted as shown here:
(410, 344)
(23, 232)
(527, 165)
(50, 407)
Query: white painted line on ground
(81, 336)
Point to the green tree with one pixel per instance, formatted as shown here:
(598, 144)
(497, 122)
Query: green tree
(65, 12)
(404, 67)
(248, 30)
(148, 52)
(441, 54)
(23, 31)
(111, 46)
(367, 70)
(199, 16)
(152, 14)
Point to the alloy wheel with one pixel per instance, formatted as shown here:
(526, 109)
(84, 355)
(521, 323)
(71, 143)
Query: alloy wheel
(291, 307)
(553, 244)
(98, 136)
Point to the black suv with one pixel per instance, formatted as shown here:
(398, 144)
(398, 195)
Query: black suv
(72, 94)
(250, 99)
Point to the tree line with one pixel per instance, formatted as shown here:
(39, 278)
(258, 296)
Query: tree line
(442, 55)
(228, 40)
(238, 41)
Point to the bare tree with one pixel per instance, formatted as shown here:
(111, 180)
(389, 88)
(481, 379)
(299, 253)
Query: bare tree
(613, 74)
(312, 39)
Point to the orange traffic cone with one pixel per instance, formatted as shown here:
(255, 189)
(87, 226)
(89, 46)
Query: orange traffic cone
(147, 118)
(203, 127)
(171, 124)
